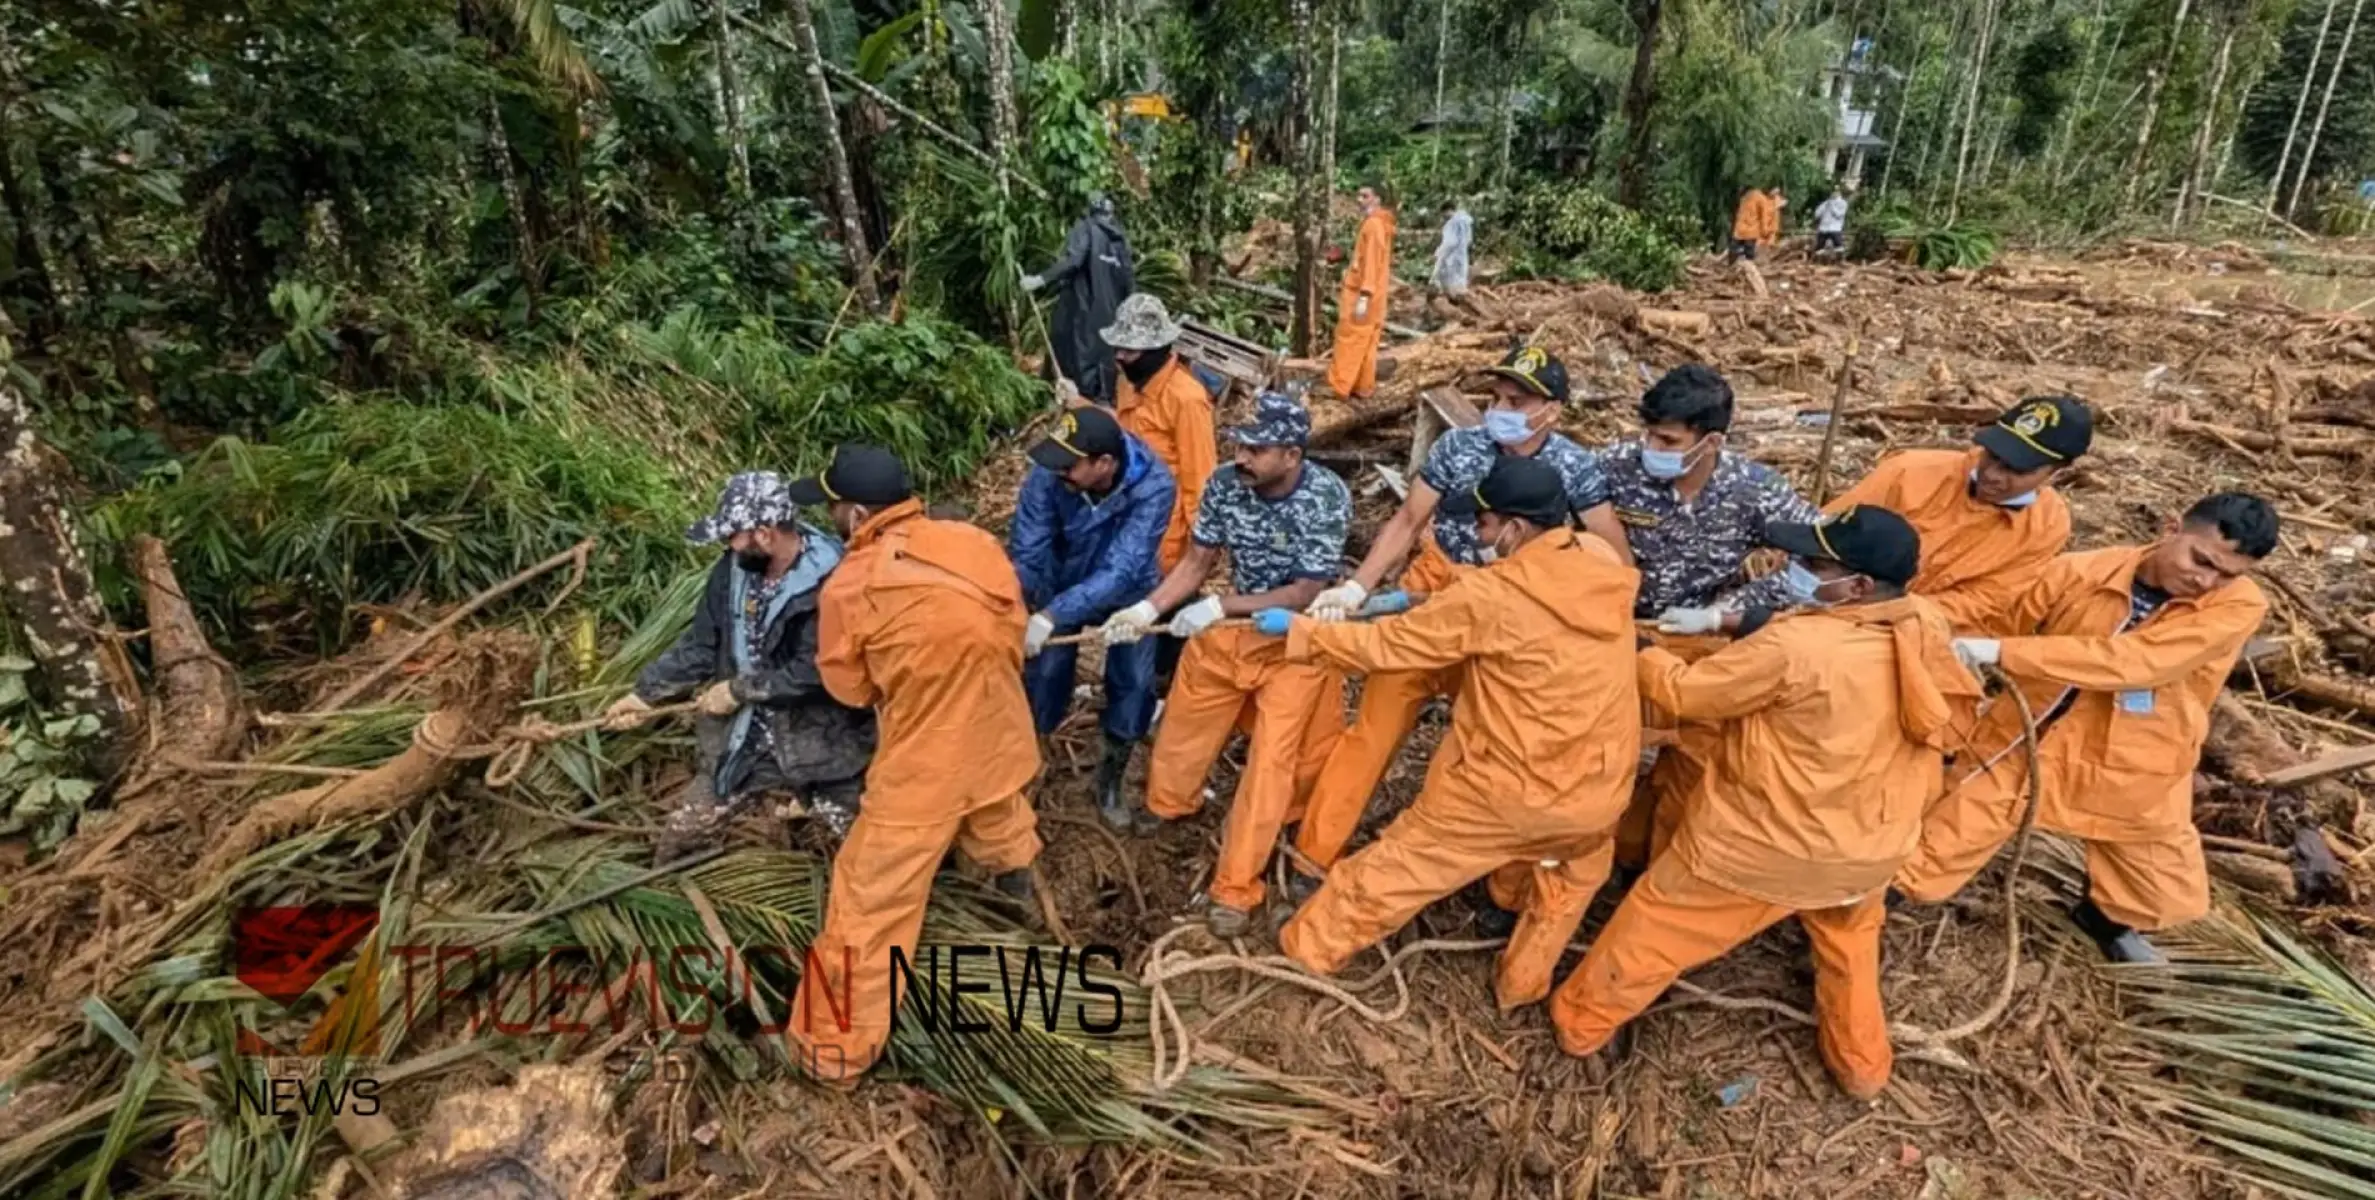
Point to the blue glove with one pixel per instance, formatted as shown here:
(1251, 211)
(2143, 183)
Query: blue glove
(1386, 604)
(1272, 622)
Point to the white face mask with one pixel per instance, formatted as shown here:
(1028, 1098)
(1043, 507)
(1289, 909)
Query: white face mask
(1508, 426)
(1805, 587)
(1488, 555)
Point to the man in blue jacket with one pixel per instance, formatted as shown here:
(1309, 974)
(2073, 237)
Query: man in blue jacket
(1085, 538)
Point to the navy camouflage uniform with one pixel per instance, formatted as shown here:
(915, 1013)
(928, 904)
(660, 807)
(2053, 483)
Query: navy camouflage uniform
(1693, 552)
(1459, 461)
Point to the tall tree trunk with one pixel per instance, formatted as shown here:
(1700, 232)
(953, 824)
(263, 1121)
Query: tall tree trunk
(1068, 30)
(2086, 66)
(729, 102)
(1105, 28)
(1303, 328)
(1328, 99)
(2189, 192)
(845, 195)
(2300, 105)
(1632, 168)
(42, 318)
(1942, 124)
(2292, 204)
(48, 588)
(528, 250)
(1442, 54)
(997, 28)
(1962, 154)
(2152, 101)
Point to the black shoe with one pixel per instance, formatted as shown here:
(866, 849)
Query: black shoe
(2119, 943)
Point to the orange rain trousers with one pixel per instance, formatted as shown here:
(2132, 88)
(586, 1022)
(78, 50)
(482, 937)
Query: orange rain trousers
(1391, 702)
(1673, 921)
(1297, 712)
(1545, 865)
(882, 883)
(1352, 369)
(923, 622)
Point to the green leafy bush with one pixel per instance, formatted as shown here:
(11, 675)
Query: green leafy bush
(1962, 245)
(929, 391)
(375, 502)
(41, 789)
(1565, 231)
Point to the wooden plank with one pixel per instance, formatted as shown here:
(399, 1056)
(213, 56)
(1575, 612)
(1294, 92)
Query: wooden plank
(1452, 408)
(2336, 763)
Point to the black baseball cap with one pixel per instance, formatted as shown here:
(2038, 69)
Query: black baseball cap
(1864, 538)
(1537, 369)
(860, 474)
(1084, 432)
(1516, 487)
(2041, 431)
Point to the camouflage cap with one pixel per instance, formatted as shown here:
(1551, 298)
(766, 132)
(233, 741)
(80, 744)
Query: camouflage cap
(1277, 421)
(750, 500)
(1141, 323)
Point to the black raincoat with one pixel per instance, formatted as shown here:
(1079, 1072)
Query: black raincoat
(1092, 276)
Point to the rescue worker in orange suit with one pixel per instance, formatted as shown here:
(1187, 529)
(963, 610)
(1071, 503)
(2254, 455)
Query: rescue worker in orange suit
(1834, 722)
(1538, 766)
(1756, 224)
(924, 623)
(1166, 402)
(1360, 302)
(1283, 522)
(1529, 396)
(1988, 516)
(2121, 653)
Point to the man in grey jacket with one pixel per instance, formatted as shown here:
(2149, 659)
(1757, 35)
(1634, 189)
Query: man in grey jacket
(766, 723)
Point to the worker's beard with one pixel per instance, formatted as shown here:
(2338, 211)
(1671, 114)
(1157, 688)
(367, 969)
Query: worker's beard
(1143, 368)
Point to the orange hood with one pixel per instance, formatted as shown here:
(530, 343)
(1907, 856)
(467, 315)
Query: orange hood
(1935, 691)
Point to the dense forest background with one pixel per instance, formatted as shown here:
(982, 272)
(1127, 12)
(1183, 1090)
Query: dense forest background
(361, 302)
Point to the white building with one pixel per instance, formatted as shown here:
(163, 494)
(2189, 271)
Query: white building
(1854, 77)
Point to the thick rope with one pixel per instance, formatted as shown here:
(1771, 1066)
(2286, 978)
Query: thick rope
(514, 746)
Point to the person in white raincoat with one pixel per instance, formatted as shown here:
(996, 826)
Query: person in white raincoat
(1450, 277)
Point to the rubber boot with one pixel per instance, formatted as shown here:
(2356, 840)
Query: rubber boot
(1120, 812)
(2119, 943)
(1016, 886)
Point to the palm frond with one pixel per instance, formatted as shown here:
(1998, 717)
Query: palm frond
(546, 38)
(2274, 1046)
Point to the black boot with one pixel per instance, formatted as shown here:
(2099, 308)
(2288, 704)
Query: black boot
(1491, 920)
(1114, 806)
(2119, 943)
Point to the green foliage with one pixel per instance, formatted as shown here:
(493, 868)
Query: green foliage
(1567, 231)
(373, 502)
(1962, 245)
(41, 789)
(929, 391)
(1069, 151)
(2041, 86)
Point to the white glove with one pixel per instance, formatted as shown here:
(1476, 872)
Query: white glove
(1129, 625)
(1978, 652)
(1196, 618)
(1032, 283)
(1360, 308)
(1691, 621)
(1339, 602)
(1036, 633)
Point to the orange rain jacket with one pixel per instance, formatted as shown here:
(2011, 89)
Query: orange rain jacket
(923, 622)
(1535, 721)
(1976, 559)
(1833, 743)
(2119, 765)
(1537, 767)
(1757, 219)
(1353, 369)
(1173, 416)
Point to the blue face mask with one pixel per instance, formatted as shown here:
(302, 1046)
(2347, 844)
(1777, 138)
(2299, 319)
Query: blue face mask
(1669, 464)
(1507, 426)
(1802, 584)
